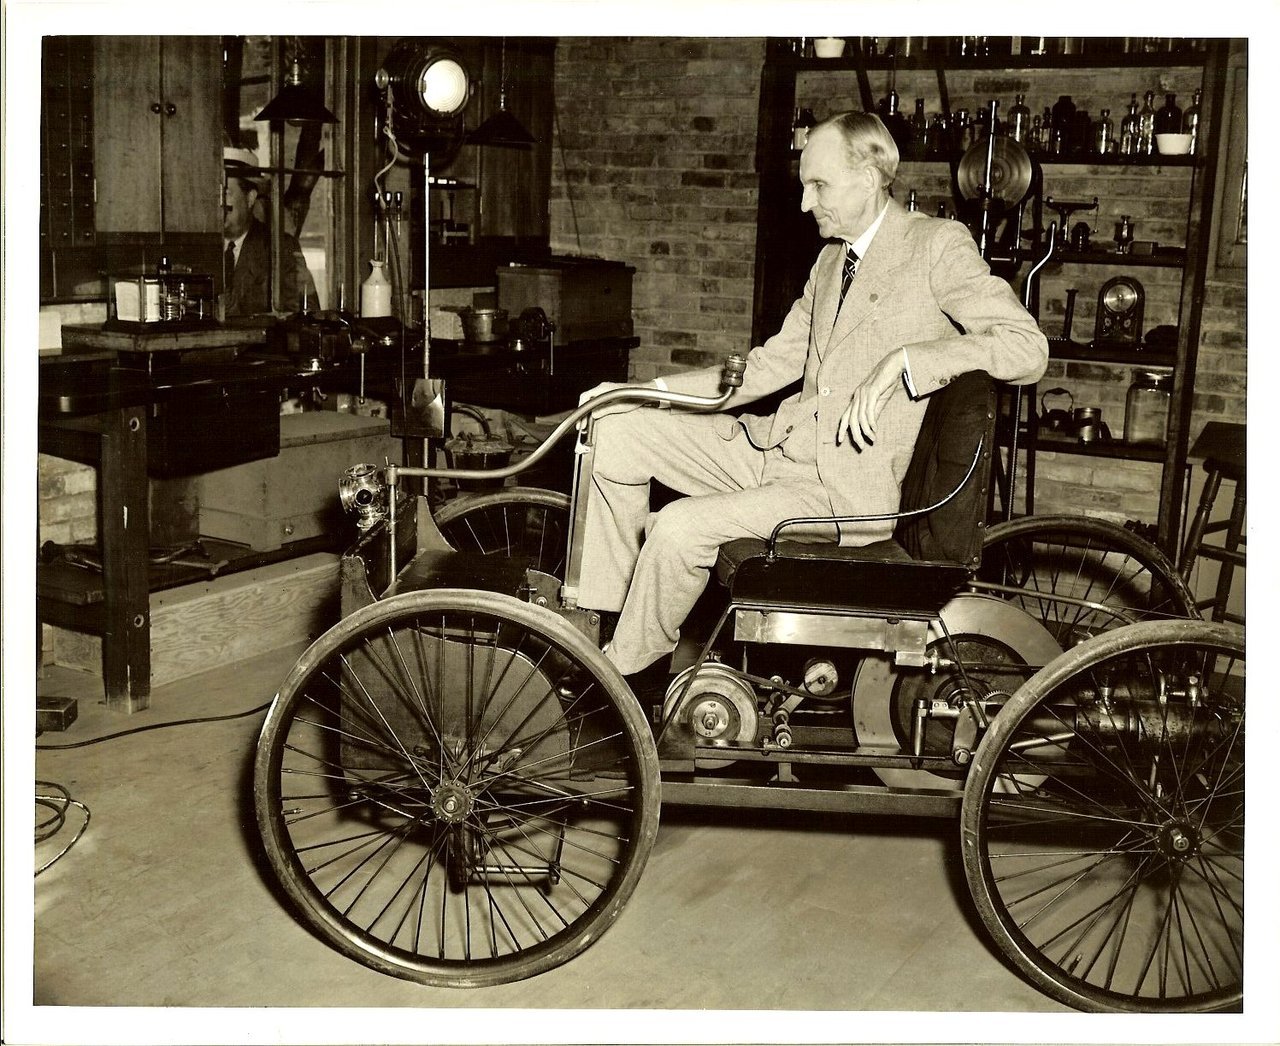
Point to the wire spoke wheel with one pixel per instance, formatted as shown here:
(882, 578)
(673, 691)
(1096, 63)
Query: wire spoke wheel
(523, 522)
(1080, 576)
(456, 788)
(1114, 880)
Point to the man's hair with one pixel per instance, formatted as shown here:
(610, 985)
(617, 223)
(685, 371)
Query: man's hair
(868, 141)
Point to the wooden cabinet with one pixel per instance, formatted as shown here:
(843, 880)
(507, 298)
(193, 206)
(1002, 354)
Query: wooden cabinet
(786, 244)
(130, 159)
(157, 119)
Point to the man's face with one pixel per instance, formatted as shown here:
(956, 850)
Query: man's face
(843, 199)
(239, 208)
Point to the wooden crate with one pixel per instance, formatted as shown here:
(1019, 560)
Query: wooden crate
(268, 503)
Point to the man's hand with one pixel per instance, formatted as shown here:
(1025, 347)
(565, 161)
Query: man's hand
(868, 401)
(619, 407)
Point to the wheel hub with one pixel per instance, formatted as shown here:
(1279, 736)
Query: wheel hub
(452, 802)
(1178, 840)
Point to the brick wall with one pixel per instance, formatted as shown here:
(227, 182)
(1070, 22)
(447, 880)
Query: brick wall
(654, 166)
(68, 491)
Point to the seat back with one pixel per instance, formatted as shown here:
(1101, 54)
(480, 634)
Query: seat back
(958, 416)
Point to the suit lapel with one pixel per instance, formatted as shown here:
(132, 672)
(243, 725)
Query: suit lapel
(827, 293)
(875, 276)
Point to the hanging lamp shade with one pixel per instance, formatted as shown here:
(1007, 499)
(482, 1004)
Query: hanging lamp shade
(502, 128)
(296, 103)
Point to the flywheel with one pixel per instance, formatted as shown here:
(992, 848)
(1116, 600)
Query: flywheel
(989, 633)
(718, 708)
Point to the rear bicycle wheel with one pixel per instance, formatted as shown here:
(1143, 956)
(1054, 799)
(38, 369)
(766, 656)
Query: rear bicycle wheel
(1080, 576)
(456, 788)
(1103, 822)
(527, 522)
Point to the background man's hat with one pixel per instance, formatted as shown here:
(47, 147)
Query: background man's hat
(242, 163)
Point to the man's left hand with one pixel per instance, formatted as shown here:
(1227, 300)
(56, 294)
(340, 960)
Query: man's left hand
(869, 398)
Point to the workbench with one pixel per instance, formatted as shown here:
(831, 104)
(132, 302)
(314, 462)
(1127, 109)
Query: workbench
(96, 402)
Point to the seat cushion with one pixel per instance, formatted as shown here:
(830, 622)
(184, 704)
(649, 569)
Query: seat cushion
(872, 579)
(735, 553)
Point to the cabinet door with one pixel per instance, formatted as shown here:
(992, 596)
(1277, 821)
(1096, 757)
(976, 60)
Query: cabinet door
(191, 158)
(127, 153)
(157, 129)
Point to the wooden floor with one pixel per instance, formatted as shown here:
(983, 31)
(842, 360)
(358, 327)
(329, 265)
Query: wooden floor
(773, 928)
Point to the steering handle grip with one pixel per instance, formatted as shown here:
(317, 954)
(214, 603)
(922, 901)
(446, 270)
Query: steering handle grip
(731, 374)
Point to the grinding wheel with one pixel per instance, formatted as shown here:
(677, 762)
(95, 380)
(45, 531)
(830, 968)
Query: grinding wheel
(1011, 171)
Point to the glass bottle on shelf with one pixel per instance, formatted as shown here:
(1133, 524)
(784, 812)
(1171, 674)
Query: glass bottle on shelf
(1129, 128)
(919, 125)
(1146, 407)
(937, 145)
(1063, 116)
(1018, 122)
(1191, 120)
(1104, 134)
(960, 129)
(1035, 141)
(1147, 125)
(1169, 115)
(800, 127)
(912, 203)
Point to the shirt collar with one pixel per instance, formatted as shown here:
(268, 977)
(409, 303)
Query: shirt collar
(238, 241)
(863, 242)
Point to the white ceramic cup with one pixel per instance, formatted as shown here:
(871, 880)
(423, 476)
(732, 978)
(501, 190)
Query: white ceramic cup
(829, 46)
(1173, 144)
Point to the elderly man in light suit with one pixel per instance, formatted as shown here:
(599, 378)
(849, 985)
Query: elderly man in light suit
(895, 309)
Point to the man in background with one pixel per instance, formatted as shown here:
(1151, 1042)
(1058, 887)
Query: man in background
(247, 247)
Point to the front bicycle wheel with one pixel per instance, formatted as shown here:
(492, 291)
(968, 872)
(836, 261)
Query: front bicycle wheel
(1080, 576)
(1103, 822)
(528, 522)
(455, 787)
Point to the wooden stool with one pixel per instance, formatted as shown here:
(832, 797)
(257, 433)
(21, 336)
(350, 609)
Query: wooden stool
(1222, 446)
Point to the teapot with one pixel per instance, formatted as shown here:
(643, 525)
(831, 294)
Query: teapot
(1057, 419)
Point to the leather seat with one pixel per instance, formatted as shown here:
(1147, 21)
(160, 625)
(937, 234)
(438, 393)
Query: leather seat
(931, 556)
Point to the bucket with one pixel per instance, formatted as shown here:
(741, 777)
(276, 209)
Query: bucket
(482, 452)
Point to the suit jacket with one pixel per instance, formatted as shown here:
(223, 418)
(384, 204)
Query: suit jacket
(922, 286)
(249, 286)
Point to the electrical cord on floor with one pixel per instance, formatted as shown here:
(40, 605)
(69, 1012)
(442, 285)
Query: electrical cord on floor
(51, 826)
(154, 726)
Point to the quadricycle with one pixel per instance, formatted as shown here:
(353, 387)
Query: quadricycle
(455, 786)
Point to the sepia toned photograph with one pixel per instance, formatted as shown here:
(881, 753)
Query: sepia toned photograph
(563, 523)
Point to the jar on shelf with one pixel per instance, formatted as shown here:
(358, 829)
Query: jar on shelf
(1063, 121)
(1191, 120)
(803, 123)
(1104, 134)
(1147, 125)
(1019, 120)
(1169, 115)
(1129, 129)
(1146, 407)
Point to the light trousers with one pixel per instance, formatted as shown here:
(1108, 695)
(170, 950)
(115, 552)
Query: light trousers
(653, 566)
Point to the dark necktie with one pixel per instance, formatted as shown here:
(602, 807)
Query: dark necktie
(850, 267)
(229, 260)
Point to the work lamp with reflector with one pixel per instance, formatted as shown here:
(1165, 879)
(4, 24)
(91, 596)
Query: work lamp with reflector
(426, 88)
